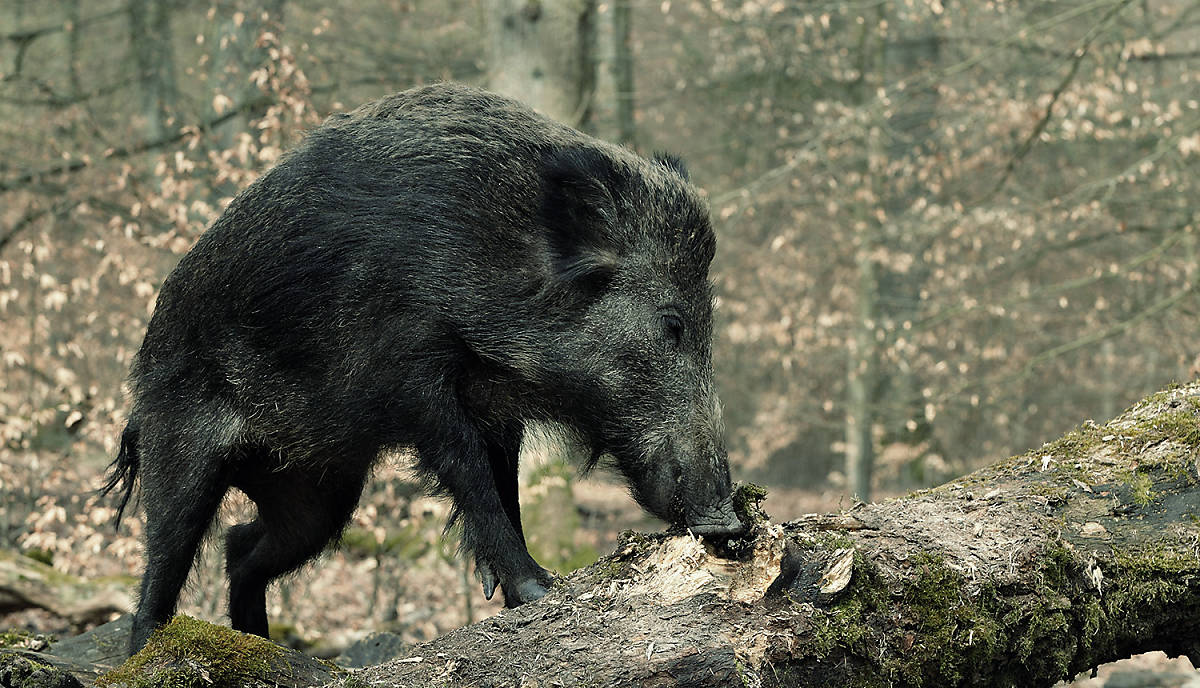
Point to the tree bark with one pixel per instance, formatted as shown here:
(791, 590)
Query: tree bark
(237, 55)
(622, 68)
(543, 53)
(154, 60)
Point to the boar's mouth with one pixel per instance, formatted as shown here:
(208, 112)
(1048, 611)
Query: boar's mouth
(720, 520)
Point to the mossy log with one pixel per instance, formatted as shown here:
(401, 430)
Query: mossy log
(1081, 552)
(26, 583)
(185, 653)
(1041, 566)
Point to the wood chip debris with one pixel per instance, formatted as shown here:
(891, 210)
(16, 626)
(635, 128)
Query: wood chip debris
(1095, 575)
(837, 576)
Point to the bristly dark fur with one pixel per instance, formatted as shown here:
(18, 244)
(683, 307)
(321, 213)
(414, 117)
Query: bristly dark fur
(435, 270)
(674, 163)
(123, 471)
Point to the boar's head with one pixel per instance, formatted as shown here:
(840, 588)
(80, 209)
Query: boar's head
(630, 247)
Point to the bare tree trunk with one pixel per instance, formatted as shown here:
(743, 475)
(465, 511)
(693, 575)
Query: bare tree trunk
(543, 53)
(1108, 358)
(861, 382)
(237, 55)
(154, 60)
(73, 16)
(622, 68)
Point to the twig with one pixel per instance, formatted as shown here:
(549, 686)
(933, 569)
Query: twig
(1077, 59)
(126, 151)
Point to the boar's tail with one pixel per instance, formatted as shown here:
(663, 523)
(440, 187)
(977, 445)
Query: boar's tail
(123, 469)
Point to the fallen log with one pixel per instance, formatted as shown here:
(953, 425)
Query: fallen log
(1080, 552)
(1083, 551)
(29, 584)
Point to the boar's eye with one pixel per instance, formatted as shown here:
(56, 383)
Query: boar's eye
(672, 326)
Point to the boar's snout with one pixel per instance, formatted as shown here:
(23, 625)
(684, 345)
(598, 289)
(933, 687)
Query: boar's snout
(716, 521)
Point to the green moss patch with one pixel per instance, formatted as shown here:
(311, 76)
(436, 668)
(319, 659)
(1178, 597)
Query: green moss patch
(40, 555)
(747, 503)
(24, 639)
(1141, 489)
(1147, 578)
(844, 626)
(1076, 602)
(188, 653)
(939, 629)
(19, 671)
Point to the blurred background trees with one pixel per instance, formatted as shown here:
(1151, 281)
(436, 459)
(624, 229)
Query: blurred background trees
(948, 230)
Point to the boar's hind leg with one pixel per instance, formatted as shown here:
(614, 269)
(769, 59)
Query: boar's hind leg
(182, 487)
(298, 515)
(466, 465)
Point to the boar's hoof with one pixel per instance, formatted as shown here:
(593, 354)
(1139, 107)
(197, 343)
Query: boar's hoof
(487, 577)
(526, 590)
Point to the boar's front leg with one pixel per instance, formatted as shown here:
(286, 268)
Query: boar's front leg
(471, 467)
(504, 453)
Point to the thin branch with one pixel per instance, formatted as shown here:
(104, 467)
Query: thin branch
(1037, 49)
(1164, 146)
(996, 381)
(936, 76)
(24, 223)
(56, 101)
(126, 151)
(1080, 53)
(28, 35)
(1116, 329)
(1060, 287)
(1036, 255)
(1108, 332)
(1164, 57)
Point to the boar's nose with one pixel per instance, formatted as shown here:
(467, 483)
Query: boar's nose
(718, 520)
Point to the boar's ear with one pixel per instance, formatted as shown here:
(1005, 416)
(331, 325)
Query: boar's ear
(674, 163)
(580, 214)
